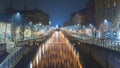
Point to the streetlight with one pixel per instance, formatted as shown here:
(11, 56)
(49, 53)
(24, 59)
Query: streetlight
(17, 15)
(40, 24)
(83, 27)
(105, 27)
(30, 24)
(106, 22)
(57, 26)
(90, 25)
(50, 23)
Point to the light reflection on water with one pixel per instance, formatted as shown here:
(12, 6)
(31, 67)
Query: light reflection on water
(56, 36)
(30, 64)
(56, 54)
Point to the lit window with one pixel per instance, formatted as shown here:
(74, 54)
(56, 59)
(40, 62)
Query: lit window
(114, 4)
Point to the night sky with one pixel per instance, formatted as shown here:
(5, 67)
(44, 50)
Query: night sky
(59, 10)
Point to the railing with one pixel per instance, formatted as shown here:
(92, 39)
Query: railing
(99, 42)
(2, 46)
(27, 41)
(12, 60)
(20, 50)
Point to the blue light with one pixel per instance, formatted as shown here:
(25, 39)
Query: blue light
(106, 22)
(30, 23)
(118, 34)
(18, 14)
(115, 33)
(83, 26)
(90, 24)
(57, 26)
(108, 33)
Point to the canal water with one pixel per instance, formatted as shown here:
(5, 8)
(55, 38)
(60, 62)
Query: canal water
(56, 52)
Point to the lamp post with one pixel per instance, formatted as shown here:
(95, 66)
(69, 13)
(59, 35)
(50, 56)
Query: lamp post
(12, 30)
(13, 26)
(106, 24)
(31, 28)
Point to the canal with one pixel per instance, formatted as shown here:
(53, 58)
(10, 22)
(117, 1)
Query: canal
(56, 52)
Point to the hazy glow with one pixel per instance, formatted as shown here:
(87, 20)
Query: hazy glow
(106, 22)
(40, 53)
(58, 52)
(57, 26)
(56, 36)
(30, 64)
(18, 14)
(37, 59)
(119, 35)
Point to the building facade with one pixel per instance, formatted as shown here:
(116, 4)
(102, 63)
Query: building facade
(12, 23)
(90, 12)
(79, 17)
(35, 16)
(86, 15)
(107, 9)
(29, 15)
(107, 15)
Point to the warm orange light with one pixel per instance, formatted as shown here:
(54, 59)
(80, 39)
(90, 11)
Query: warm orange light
(57, 51)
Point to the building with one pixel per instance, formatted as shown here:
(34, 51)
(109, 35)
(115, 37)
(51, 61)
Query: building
(5, 27)
(107, 15)
(12, 22)
(79, 17)
(86, 15)
(34, 15)
(90, 12)
(107, 9)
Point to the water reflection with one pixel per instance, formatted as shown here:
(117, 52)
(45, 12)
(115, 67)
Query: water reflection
(56, 54)
(30, 64)
(56, 36)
